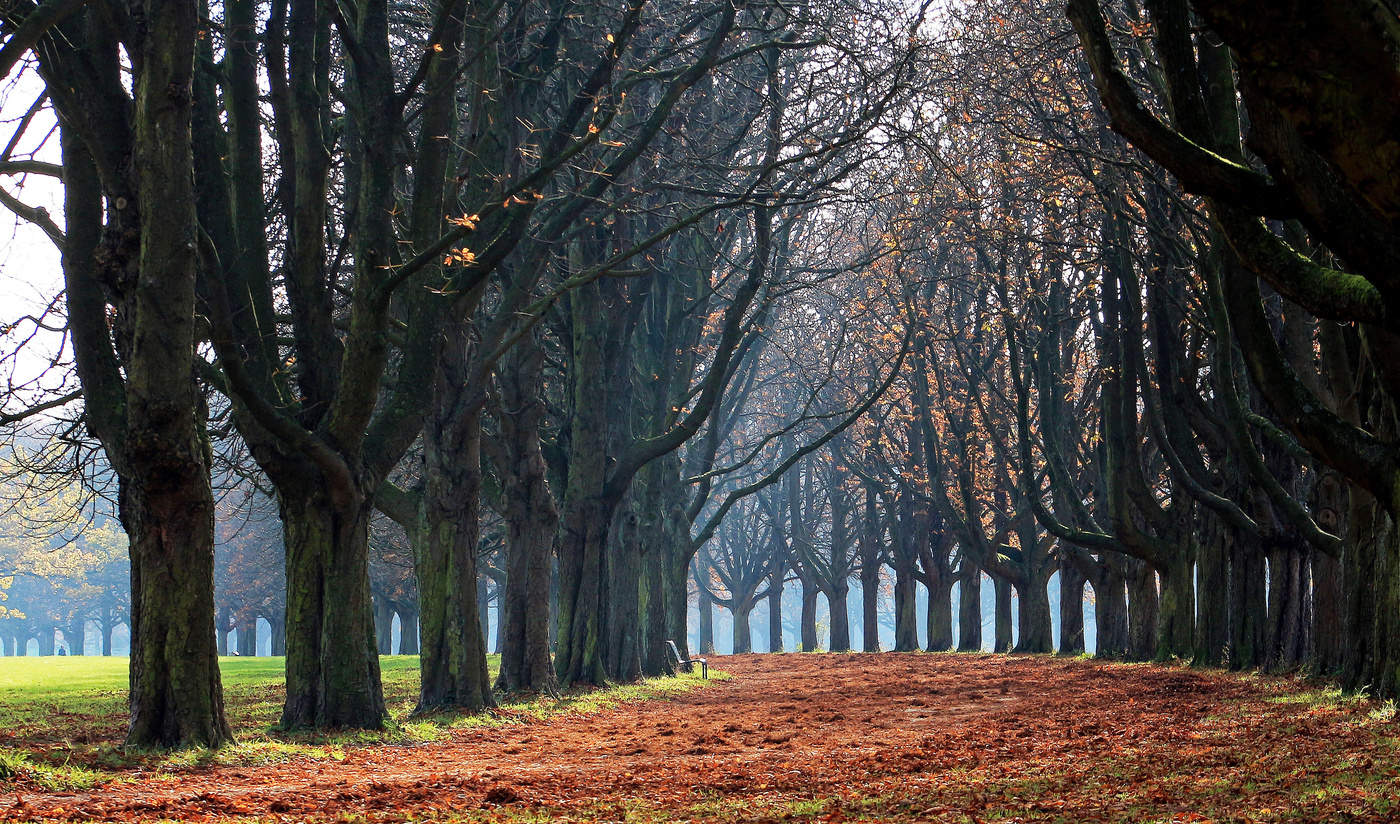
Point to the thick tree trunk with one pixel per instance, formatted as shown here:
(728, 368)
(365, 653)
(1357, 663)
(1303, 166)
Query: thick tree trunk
(1002, 641)
(653, 606)
(1071, 610)
(584, 595)
(706, 607)
(408, 633)
(1327, 615)
(677, 578)
(483, 607)
(1142, 613)
(586, 574)
(75, 636)
(666, 553)
(332, 663)
(160, 450)
(622, 640)
(1371, 583)
(775, 609)
(970, 609)
(1329, 499)
(1112, 638)
(1212, 644)
(176, 693)
(869, 616)
(1290, 608)
(743, 636)
(940, 615)
(531, 521)
(1033, 617)
(248, 637)
(277, 632)
(906, 612)
(105, 630)
(452, 655)
(383, 627)
(1177, 618)
(840, 618)
(809, 616)
(1247, 607)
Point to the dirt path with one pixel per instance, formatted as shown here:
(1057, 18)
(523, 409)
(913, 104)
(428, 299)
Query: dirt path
(930, 736)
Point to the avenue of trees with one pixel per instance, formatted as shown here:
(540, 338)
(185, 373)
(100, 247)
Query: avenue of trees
(387, 309)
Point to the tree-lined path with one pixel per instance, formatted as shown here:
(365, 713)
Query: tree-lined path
(826, 737)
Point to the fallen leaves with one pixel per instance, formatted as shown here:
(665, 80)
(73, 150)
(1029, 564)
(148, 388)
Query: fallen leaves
(877, 737)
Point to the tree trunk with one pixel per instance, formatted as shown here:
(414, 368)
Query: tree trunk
(1177, 617)
(248, 637)
(809, 616)
(775, 608)
(1033, 617)
(383, 627)
(1213, 585)
(1289, 616)
(1371, 581)
(940, 616)
(583, 595)
(906, 627)
(483, 607)
(1142, 613)
(332, 662)
(408, 633)
(75, 636)
(1327, 615)
(970, 609)
(277, 632)
(743, 638)
(840, 618)
(706, 607)
(653, 601)
(166, 503)
(453, 647)
(622, 641)
(1002, 641)
(1071, 610)
(678, 561)
(1247, 607)
(586, 576)
(1111, 616)
(106, 631)
(869, 598)
(531, 520)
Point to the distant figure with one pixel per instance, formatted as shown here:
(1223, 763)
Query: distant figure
(62, 650)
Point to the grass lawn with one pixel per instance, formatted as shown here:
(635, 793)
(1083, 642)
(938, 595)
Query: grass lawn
(82, 699)
(62, 718)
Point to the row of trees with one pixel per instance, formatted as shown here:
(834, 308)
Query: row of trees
(806, 291)
(1153, 367)
(331, 284)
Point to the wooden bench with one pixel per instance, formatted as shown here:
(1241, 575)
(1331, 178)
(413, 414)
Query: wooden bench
(688, 664)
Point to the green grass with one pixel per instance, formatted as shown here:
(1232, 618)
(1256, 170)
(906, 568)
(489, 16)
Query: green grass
(62, 718)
